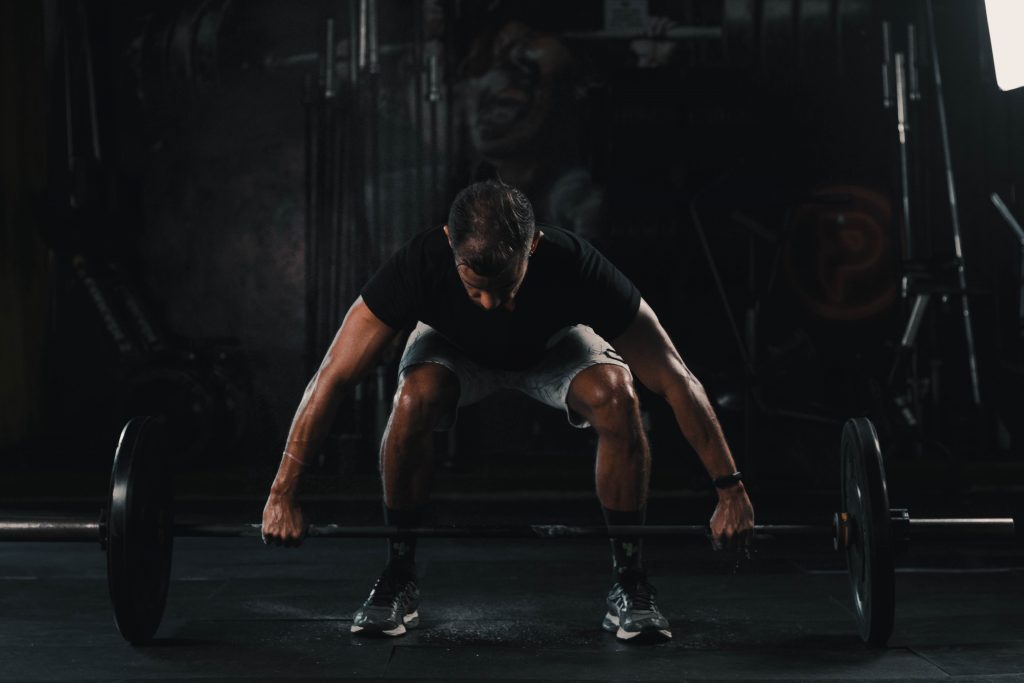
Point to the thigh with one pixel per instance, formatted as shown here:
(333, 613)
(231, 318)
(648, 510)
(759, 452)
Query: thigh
(427, 345)
(577, 348)
(426, 391)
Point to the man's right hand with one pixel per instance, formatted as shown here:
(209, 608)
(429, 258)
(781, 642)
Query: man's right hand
(732, 524)
(283, 521)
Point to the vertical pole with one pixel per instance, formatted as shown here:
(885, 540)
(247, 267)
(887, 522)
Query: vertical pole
(450, 69)
(965, 306)
(1018, 232)
(353, 43)
(330, 87)
(418, 104)
(914, 83)
(1020, 299)
(69, 111)
(90, 81)
(312, 197)
(903, 128)
(373, 36)
(369, 251)
(434, 97)
(886, 60)
(334, 144)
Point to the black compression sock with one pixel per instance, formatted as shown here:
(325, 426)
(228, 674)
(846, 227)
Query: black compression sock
(626, 551)
(402, 551)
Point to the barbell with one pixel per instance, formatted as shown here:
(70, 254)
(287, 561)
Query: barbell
(137, 530)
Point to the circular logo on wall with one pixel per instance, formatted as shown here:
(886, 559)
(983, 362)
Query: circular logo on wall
(841, 258)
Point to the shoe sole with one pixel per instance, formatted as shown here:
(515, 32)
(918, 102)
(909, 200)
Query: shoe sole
(649, 635)
(408, 622)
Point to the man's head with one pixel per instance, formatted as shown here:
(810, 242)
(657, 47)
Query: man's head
(492, 234)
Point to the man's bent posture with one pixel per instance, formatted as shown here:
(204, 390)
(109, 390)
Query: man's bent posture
(496, 302)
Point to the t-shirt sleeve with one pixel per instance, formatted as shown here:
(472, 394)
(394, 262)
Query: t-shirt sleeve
(610, 299)
(391, 293)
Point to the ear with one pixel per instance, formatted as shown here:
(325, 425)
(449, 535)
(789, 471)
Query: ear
(536, 241)
(446, 234)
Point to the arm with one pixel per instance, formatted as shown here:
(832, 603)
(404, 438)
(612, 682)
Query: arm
(354, 351)
(653, 357)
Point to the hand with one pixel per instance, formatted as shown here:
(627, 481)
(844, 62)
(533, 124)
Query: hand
(283, 521)
(732, 525)
(654, 49)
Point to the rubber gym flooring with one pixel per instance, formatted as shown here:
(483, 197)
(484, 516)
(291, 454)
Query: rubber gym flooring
(511, 610)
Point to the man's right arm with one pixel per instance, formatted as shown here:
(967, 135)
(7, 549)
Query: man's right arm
(354, 352)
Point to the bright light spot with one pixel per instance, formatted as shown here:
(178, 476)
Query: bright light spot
(1006, 28)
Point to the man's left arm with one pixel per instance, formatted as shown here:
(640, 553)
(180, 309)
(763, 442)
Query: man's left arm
(653, 358)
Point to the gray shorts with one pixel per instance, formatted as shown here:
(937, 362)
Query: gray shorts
(569, 352)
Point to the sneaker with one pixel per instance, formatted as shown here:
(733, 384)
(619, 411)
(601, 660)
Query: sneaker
(391, 608)
(632, 615)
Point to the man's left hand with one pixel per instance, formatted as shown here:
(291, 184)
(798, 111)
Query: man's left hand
(732, 525)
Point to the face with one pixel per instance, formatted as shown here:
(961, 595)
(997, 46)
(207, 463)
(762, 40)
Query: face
(513, 100)
(498, 291)
(490, 293)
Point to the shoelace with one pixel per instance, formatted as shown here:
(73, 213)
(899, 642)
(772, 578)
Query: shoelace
(386, 590)
(641, 594)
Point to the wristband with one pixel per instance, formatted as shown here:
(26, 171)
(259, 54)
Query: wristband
(289, 455)
(728, 481)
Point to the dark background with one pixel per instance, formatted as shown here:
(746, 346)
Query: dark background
(191, 200)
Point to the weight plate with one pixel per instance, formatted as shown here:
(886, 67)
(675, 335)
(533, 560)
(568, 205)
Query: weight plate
(869, 554)
(141, 530)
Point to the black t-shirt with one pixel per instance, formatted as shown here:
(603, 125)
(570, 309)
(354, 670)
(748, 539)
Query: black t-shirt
(568, 282)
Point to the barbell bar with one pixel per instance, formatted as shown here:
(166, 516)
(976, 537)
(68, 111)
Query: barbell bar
(137, 530)
(77, 529)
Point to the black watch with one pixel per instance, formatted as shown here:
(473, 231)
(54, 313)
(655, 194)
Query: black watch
(729, 480)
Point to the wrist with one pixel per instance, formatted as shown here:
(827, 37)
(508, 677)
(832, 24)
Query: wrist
(728, 481)
(735, 491)
(281, 489)
(285, 486)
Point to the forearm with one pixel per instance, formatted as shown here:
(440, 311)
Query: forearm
(656, 362)
(308, 431)
(733, 519)
(355, 350)
(698, 423)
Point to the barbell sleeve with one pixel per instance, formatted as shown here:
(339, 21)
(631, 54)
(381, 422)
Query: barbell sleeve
(962, 527)
(52, 529)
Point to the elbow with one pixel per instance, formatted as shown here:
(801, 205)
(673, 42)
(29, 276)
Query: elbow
(326, 382)
(329, 381)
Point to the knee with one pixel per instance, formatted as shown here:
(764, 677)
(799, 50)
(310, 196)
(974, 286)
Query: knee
(423, 398)
(612, 407)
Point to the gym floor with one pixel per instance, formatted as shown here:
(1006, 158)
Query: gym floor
(528, 610)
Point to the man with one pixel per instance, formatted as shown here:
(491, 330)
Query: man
(496, 302)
